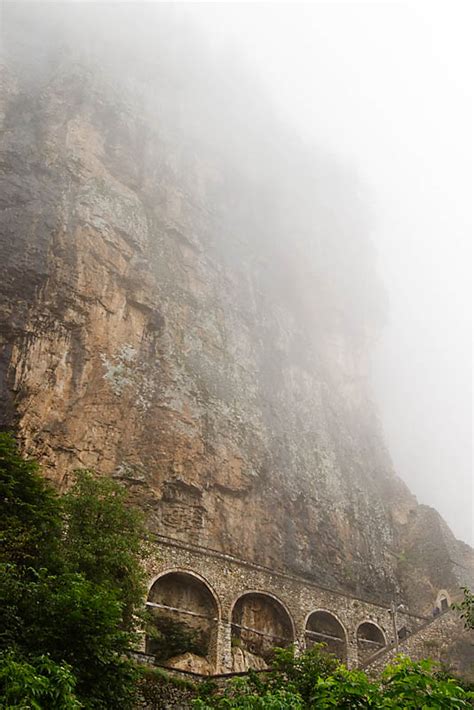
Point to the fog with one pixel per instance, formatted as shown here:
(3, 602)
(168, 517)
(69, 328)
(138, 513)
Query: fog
(386, 87)
(382, 89)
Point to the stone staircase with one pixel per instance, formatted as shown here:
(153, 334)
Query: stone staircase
(427, 641)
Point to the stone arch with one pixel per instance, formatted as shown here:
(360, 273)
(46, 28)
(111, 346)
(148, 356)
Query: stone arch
(370, 639)
(185, 612)
(259, 622)
(190, 573)
(323, 626)
(443, 600)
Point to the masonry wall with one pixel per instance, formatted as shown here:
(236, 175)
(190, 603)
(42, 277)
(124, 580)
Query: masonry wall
(443, 639)
(228, 578)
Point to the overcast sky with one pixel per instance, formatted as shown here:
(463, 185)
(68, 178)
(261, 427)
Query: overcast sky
(387, 87)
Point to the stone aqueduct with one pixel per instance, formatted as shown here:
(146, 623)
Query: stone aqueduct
(231, 604)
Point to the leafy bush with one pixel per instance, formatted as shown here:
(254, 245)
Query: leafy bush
(104, 539)
(299, 671)
(420, 686)
(345, 689)
(241, 695)
(30, 519)
(71, 584)
(40, 684)
(170, 637)
(316, 680)
(466, 608)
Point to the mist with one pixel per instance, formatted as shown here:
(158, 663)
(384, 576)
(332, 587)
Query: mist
(386, 88)
(380, 94)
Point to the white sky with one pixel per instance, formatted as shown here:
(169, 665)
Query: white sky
(388, 87)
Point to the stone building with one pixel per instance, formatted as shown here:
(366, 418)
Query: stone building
(240, 611)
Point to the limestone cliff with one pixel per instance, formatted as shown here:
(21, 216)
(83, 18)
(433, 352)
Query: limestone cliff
(187, 305)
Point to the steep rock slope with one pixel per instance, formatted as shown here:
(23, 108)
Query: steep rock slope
(187, 304)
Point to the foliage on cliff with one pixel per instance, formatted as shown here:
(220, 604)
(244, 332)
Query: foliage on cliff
(466, 608)
(71, 584)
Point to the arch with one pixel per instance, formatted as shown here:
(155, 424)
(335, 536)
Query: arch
(185, 612)
(370, 639)
(323, 626)
(190, 573)
(259, 622)
(443, 600)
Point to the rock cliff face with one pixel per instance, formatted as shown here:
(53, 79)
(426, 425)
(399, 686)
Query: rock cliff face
(187, 305)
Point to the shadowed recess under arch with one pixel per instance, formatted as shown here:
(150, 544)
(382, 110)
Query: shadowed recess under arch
(370, 639)
(259, 623)
(324, 627)
(185, 617)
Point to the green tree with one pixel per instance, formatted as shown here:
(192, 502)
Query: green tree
(241, 694)
(30, 519)
(105, 539)
(409, 685)
(298, 672)
(289, 684)
(347, 690)
(74, 621)
(72, 589)
(466, 608)
(171, 637)
(312, 682)
(40, 684)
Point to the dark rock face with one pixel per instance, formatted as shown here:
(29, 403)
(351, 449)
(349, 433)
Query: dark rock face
(195, 322)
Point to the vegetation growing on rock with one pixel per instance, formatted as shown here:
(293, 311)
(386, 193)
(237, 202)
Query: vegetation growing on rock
(466, 608)
(171, 638)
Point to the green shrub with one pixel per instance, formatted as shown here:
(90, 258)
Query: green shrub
(71, 584)
(240, 695)
(420, 686)
(38, 683)
(316, 681)
(30, 511)
(466, 608)
(171, 637)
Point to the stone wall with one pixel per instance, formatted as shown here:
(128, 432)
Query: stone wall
(163, 690)
(444, 639)
(229, 578)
